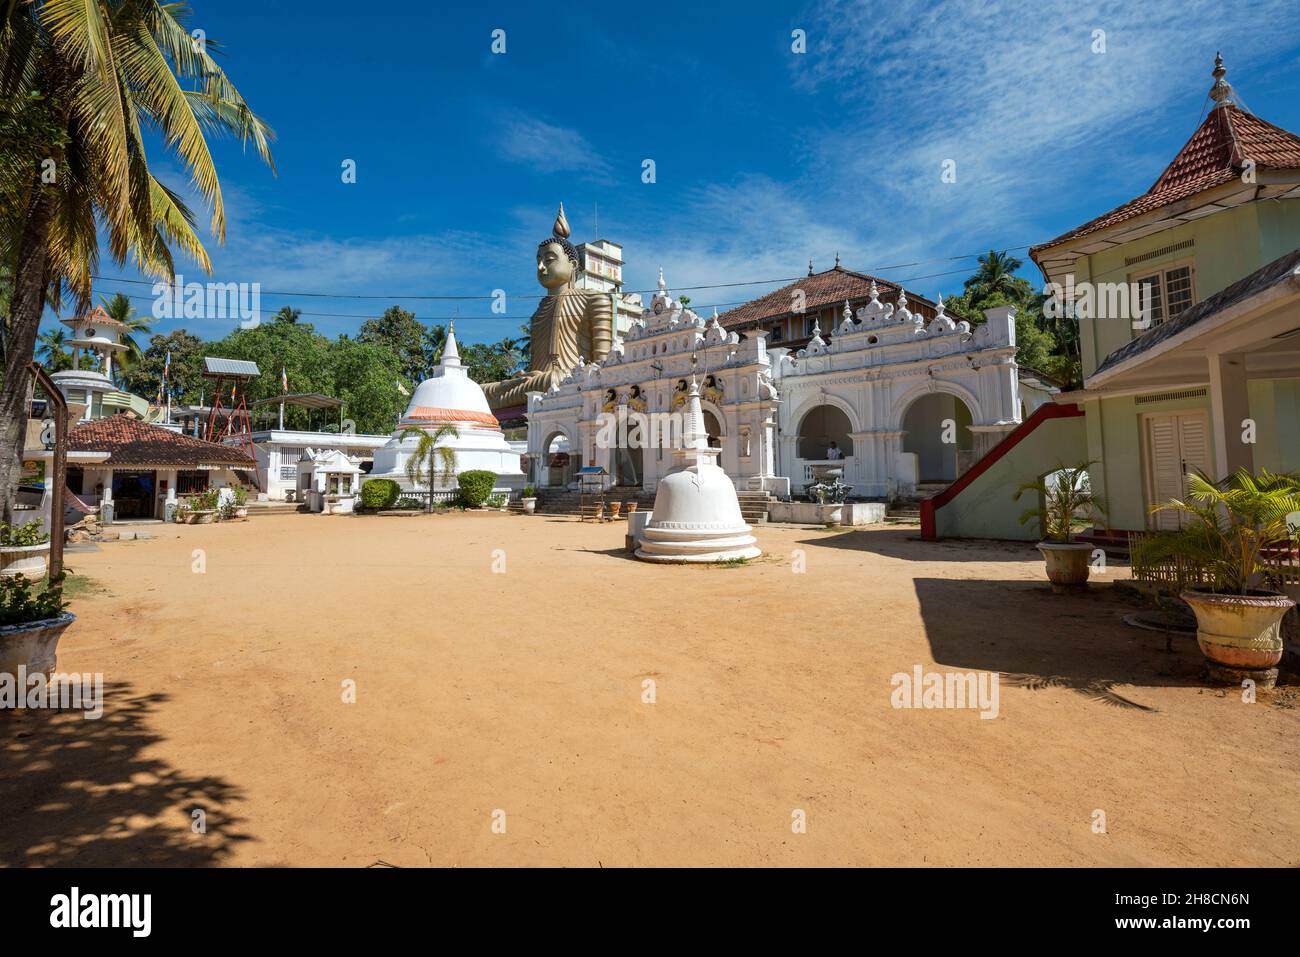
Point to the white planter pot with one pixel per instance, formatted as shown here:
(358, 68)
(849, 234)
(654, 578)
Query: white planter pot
(29, 560)
(1240, 635)
(530, 505)
(832, 513)
(32, 645)
(1067, 563)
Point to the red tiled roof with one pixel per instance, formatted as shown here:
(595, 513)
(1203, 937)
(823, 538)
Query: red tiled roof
(1215, 154)
(821, 289)
(132, 442)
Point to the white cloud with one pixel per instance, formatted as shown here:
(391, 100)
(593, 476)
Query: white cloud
(546, 147)
(1015, 94)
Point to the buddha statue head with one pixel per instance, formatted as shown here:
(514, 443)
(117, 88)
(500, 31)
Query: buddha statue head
(557, 260)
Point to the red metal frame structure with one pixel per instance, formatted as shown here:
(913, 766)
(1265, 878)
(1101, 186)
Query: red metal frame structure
(238, 423)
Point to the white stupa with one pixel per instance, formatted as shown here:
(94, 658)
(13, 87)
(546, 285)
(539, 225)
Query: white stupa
(450, 397)
(696, 515)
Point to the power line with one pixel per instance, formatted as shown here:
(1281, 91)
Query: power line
(722, 285)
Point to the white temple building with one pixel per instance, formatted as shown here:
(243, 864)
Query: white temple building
(450, 397)
(893, 400)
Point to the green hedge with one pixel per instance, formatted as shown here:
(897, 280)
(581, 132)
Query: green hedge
(379, 493)
(475, 486)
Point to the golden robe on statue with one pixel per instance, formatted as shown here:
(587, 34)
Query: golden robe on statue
(570, 325)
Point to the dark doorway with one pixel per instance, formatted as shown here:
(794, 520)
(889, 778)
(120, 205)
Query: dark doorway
(133, 494)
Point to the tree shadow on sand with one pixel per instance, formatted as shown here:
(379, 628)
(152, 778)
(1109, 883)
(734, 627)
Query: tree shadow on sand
(1038, 639)
(76, 792)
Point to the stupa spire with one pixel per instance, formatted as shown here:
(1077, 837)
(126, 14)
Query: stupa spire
(450, 354)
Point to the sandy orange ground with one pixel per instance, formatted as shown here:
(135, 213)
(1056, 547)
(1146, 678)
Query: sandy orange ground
(521, 691)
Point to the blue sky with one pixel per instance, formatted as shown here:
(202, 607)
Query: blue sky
(764, 157)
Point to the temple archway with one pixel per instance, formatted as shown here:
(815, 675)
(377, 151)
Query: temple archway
(820, 426)
(936, 429)
(714, 428)
(559, 461)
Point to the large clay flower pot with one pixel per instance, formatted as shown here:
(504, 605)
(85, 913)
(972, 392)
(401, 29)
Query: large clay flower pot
(201, 518)
(32, 645)
(29, 560)
(530, 505)
(1067, 563)
(1240, 635)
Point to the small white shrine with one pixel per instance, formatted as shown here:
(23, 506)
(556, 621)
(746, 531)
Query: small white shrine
(450, 397)
(891, 400)
(696, 515)
(329, 481)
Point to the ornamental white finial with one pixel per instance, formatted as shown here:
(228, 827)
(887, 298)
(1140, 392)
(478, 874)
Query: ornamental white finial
(939, 308)
(663, 286)
(848, 313)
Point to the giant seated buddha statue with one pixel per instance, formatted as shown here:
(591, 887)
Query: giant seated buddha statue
(570, 325)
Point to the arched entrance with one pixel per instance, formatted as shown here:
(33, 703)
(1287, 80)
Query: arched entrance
(825, 430)
(712, 427)
(558, 465)
(936, 427)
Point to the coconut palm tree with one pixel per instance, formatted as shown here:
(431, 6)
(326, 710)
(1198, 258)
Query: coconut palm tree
(119, 307)
(53, 353)
(79, 82)
(431, 459)
(288, 314)
(995, 274)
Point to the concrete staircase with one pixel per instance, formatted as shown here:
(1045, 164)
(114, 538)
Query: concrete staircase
(908, 511)
(754, 506)
(556, 501)
(275, 508)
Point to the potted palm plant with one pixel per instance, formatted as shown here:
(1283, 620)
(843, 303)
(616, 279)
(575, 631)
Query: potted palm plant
(24, 549)
(529, 500)
(31, 623)
(431, 459)
(1065, 503)
(1232, 528)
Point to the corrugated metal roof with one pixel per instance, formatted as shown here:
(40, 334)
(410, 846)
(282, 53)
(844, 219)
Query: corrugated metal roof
(213, 365)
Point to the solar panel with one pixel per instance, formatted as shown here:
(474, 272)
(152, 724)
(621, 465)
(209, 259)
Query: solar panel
(229, 367)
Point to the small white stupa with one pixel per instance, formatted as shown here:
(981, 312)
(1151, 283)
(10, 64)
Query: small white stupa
(696, 515)
(450, 397)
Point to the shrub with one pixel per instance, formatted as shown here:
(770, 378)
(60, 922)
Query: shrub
(475, 486)
(529, 492)
(379, 493)
(29, 533)
(408, 504)
(20, 605)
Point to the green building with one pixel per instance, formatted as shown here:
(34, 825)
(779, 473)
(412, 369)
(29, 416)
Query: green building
(1188, 303)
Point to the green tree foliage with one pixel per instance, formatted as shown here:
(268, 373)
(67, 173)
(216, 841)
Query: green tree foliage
(119, 307)
(1045, 345)
(186, 376)
(489, 361)
(406, 337)
(365, 378)
(51, 351)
